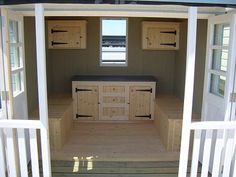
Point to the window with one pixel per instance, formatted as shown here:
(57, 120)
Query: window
(219, 62)
(16, 57)
(113, 43)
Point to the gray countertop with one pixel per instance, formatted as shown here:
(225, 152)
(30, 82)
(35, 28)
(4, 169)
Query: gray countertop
(123, 78)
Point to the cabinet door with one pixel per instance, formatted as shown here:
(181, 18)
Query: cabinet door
(87, 102)
(160, 36)
(140, 102)
(66, 37)
(67, 34)
(152, 38)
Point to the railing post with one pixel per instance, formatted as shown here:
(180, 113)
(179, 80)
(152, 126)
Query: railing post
(42, 87)
(188, 93)
(2, 156)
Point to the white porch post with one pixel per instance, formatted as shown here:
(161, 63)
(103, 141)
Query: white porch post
(188, 93)
(42, 87)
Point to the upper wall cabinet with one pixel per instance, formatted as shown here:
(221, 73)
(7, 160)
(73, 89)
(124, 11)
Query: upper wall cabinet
(67, 34)
(160, 35)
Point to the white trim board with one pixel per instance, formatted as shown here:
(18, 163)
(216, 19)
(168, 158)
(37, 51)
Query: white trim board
(127, 10)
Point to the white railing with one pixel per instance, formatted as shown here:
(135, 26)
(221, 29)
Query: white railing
(13, 148)
(214, 146)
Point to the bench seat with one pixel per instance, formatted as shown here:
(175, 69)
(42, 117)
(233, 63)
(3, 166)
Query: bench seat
(60, 119)
(168, 120)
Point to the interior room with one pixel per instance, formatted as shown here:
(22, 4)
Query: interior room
(102, 135)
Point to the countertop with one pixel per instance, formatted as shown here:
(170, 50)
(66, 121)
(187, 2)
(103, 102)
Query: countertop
(123, 78)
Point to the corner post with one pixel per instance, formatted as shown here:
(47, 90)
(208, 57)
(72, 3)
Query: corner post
(188, 92)
(42, 88)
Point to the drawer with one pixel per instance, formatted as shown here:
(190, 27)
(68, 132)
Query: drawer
(113, 99)
(113, 112)
(113, 89)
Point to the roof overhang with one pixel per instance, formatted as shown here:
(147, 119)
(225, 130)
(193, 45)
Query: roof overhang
(118, 10)
(219, 3)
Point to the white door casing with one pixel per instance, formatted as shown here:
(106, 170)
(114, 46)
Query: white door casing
(219, 69)
(3, 100)
(219, 73)
(14, 64)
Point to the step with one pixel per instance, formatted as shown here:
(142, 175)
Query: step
(114, 175)
(88, 168)
(114, 164)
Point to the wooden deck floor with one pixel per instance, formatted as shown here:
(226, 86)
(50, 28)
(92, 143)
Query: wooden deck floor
(114, 141)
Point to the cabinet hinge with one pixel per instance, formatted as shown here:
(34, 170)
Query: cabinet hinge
(169, 32)
(145, 90)
(169, 44)
(57, 43)
(5, 95)
(233, 97)
(146, 116)
(80, 115)
(82, 90)
(58, 31)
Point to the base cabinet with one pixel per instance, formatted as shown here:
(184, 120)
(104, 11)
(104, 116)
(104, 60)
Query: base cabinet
(87, 102)
(140, 102)
(108, 101)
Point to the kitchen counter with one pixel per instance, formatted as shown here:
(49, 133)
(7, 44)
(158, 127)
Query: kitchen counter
(123, 78)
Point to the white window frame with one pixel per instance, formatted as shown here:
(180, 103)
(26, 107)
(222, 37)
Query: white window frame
(20, 69)
(100, 43)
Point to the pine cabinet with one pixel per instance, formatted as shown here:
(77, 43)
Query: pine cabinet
(108, 101)
(113, 101)
(141, 102)
(160, 35)
(86, 97)
(67, 34)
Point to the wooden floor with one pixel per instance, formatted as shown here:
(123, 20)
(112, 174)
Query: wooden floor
(114, 141)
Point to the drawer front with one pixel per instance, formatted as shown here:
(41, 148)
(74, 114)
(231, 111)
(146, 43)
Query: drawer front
(113, 89)
(113, 99)
(113, 113)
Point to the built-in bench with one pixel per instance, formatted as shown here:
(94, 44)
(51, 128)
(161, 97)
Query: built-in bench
(60, 119)
(168, 120)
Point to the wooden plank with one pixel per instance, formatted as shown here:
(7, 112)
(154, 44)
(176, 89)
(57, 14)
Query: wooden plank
(87, 102)
(195, 156)
(113, 99)
(218, 153)
(23, 153)
(213, 125)
(115, 141)
(229, 148)
(74, 97)
(2, 156)
(144, 171)
(189, 84)
(140, 102)
(113, 175)
(114, 89)
(67, 34)
(11, 153)
(6, 123)
(160, 35)
(206, 153)
(34, 153)
(42, 90)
